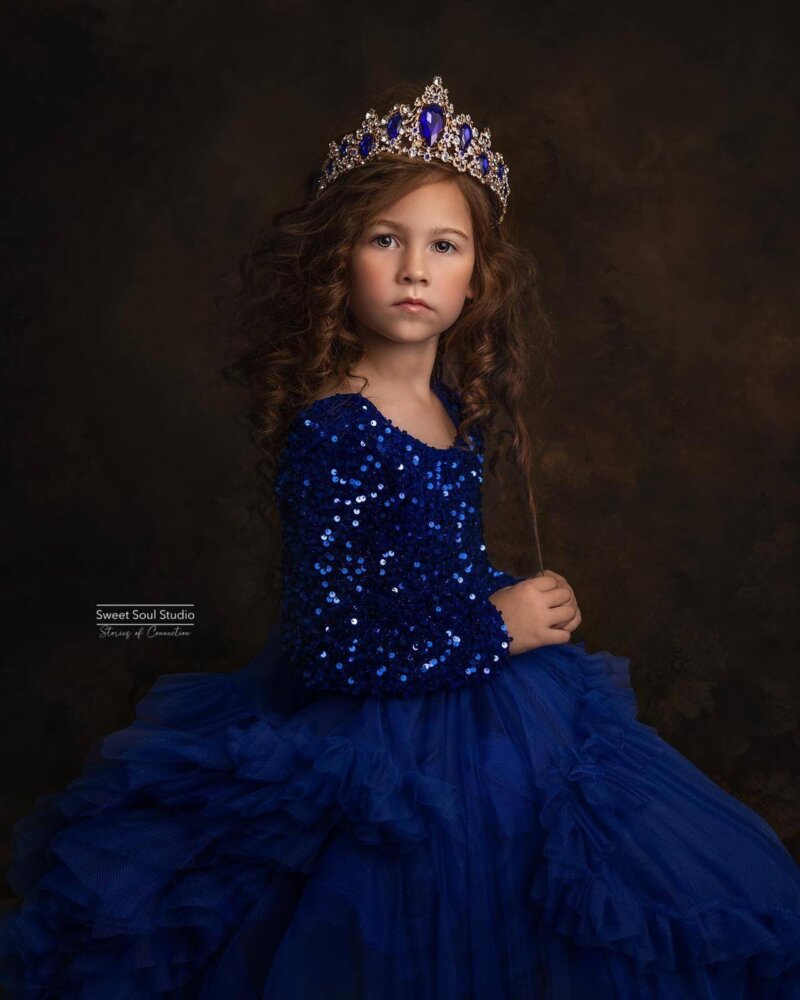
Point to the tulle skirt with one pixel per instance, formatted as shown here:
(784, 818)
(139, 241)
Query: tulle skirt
(527, 838)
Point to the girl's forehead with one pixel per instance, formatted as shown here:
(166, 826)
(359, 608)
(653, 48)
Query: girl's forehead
(434, 203)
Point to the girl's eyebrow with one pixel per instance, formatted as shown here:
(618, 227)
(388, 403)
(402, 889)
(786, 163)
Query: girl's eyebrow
(433, 232)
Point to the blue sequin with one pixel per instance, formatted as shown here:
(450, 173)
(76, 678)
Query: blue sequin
(386, 578)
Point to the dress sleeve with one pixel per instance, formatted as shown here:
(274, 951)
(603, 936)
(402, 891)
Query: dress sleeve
(499, 578)
(364, 608)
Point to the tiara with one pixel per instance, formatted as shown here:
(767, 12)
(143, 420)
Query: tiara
(429, 129)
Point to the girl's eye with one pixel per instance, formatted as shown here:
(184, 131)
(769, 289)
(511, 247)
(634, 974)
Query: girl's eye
(448, 246)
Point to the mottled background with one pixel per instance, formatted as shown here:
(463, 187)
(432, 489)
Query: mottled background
(654, 163)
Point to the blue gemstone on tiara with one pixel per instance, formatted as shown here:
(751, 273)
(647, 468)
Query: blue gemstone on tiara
(483, 159)
(343, 147)
(366, 144)
(393, 125)
(500, 171)
(431, 123)
(466, 137)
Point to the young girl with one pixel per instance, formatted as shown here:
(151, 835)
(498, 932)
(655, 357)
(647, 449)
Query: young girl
(423, 786)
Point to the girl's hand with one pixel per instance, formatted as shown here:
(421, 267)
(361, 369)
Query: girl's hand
(576, 620)
(539, 611)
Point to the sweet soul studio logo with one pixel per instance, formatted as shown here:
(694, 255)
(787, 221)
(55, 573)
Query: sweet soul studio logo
(144, 621)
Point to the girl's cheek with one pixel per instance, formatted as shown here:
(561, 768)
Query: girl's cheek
(373, 269)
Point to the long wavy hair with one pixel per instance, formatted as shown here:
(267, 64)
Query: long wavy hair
(293, 332)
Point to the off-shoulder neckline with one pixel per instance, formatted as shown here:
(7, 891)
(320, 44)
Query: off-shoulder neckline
(452, 409)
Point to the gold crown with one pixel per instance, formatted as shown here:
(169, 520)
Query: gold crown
(430, 129)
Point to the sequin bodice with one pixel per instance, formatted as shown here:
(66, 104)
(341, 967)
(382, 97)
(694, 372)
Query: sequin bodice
(385, 572)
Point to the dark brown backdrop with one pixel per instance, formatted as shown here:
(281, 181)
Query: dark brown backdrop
(654, 169)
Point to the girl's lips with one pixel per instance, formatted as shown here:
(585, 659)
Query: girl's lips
(411, 307)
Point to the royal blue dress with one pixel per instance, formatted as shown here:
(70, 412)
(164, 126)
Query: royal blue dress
(384, 804)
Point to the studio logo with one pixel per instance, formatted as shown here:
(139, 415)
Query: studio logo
(144, 621)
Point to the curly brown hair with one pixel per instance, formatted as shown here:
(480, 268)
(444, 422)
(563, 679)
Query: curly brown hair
(292, 312)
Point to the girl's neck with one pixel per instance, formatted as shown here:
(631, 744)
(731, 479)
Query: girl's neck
(381, 387)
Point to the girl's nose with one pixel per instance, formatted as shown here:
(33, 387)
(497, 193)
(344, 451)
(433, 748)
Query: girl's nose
(413, 267)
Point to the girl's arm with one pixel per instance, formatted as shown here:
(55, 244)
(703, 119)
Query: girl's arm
(364, 610)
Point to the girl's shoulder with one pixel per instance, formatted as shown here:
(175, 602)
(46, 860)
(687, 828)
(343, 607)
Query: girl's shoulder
(325, 438)
(339, 427)
(324, 417)
(324, 423)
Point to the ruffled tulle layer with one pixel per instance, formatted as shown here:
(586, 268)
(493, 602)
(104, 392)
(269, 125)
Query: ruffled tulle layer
(525, 838)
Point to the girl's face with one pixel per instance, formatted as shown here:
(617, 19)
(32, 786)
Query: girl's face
(421, 246)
